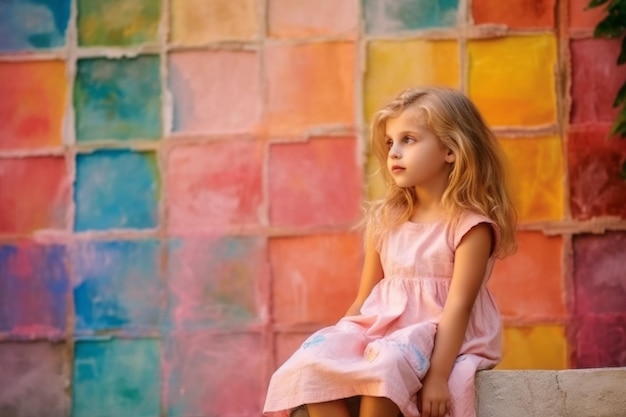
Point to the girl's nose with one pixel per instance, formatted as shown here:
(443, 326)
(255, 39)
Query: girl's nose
(394, 152)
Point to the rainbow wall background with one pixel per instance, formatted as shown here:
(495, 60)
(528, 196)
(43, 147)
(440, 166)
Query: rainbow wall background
(179, 182)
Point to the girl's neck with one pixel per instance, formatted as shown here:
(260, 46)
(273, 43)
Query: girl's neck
(428, 208)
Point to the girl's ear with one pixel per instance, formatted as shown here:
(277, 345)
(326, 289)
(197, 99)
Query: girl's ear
(450, 156)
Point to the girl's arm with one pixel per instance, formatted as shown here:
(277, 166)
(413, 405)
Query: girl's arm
(372, 273)
(470, 263)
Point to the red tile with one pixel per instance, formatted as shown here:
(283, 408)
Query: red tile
(528, 286)
(594, 163)
(34, 194)
(315, 278)
(517, 14)
(596, 78)
(315, 183)
(599, 277)
(215, 186)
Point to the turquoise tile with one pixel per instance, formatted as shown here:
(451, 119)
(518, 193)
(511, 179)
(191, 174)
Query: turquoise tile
(118, 99)
(33, 24)
(391, 16)
(116, 189)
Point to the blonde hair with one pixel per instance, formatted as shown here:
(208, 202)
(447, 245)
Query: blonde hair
(477, 181)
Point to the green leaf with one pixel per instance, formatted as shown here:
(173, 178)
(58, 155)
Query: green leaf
(609, 27)
(619, 127)
(620, 98)
(622, 55)
(596, 3)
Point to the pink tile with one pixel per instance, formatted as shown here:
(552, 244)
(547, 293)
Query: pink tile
(215, 91)
(596, 79)
(599, 277)
(594, 163)
(315, 183)
(600, 341)
(305, 18)
(218, 282)
(315, 278)
(287, 344)
(215, 374)
(214, 186)
(310, 85)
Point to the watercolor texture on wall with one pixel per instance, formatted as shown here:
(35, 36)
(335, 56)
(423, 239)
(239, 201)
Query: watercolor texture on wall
(180, 181)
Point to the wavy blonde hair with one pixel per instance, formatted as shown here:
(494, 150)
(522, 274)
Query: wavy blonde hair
(477, 181)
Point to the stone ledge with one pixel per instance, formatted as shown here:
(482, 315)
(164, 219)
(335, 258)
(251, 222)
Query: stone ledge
(568, 393)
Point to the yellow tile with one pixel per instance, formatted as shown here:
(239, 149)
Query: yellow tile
(395, 65)
(512, 80)
(195, 22)
(539, 347)
(375, 185)
(537, 175)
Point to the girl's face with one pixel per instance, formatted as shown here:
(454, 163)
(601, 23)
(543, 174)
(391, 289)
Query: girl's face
(416, 158)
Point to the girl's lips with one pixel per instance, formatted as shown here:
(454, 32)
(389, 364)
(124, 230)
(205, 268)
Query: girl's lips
(396, 168)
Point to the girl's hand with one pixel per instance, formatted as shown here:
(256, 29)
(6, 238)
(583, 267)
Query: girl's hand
(434, 396)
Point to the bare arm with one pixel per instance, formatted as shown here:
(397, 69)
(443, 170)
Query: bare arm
(372, 273)
(470, 263)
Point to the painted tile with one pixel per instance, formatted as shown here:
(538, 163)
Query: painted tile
(118, 98)
(286, 344)
(315, 278)
(389, 71)
(600, 341)
(512, 80)
(528, 286)
(516, 14)
(315, 183)
(389, 16)
(304, 91)
(197, 22)
(116, 189)
(32, 109)
(33, 24)
(46, 203)
(29, 368)
(538, 347)
(33, 289)
(119, 377)
(596, 79)
(218, 282)
(594, 163)
(308, 18)
(118, 285)
(215, 375)
(537, 174)
(599, 279)
(215, 91)
(215, 186)
(376, 187)
(582, 18)
(118, 22)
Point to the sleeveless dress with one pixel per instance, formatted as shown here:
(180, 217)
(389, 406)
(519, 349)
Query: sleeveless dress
(385, 350)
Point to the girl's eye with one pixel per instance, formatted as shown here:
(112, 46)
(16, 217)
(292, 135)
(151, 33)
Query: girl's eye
(408, 139)
(389, 143)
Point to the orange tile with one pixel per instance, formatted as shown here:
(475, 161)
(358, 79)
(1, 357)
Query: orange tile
(305, 18)
(32, 105)
(580, 17)
(512, 79)
(315, 278)
(528, 286)
(196, 22)
(516, 14)
(390, 69)
(537, 176)
(310, 85)
(539, 347)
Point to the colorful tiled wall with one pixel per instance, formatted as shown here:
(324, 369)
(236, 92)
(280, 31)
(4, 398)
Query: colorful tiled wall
(179, 181)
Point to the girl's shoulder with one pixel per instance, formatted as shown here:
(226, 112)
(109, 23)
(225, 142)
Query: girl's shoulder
(466, 221)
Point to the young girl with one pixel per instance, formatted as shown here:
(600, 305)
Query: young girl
(423, 321)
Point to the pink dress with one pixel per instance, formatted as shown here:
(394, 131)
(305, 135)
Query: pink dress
(385, 350)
